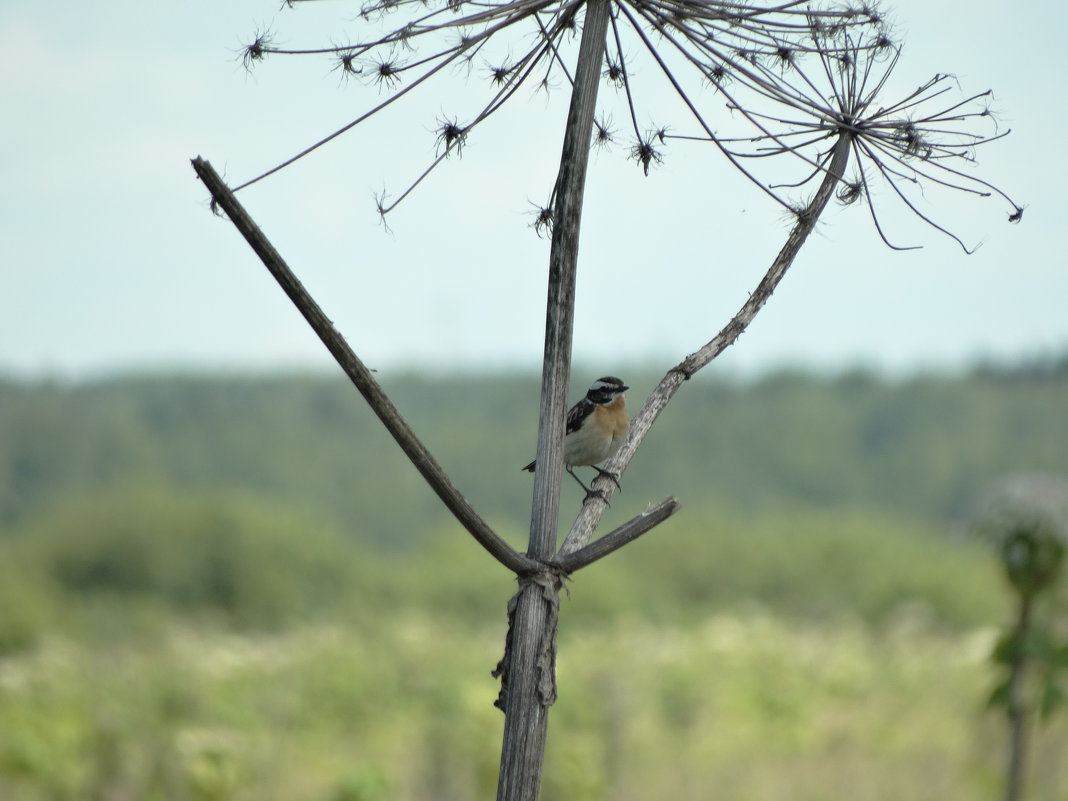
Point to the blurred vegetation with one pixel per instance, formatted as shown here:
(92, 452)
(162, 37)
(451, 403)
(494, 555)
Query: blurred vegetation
(121, 566)
(747, 704)
(1025, 519)
(917, 448)
(230, 588)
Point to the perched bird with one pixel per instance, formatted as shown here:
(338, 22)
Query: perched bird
(596, 427)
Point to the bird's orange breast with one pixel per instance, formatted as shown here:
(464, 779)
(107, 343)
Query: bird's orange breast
(613, 416)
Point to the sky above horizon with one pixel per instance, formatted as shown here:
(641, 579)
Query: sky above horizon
(113, 262)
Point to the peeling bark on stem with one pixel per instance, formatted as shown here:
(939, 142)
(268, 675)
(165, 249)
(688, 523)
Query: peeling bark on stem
(592, 511)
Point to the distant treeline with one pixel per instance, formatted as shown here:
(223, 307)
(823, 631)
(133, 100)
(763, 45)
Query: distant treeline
(920, 448)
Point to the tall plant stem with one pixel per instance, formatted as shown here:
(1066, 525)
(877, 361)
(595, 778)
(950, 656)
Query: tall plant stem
(563, 261)
(1017, 704)
(528, 667)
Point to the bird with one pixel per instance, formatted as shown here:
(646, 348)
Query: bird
(596, 427)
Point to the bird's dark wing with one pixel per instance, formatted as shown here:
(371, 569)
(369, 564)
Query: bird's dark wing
(575, 415)
(579, 412)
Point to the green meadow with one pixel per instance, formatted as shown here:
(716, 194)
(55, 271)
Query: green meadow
(220, 587)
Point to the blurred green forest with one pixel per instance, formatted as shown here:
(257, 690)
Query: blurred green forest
(918, 448)
(231, 587)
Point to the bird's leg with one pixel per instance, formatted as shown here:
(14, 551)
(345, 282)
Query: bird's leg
(609, 475)
(579, 480)
(590, 493)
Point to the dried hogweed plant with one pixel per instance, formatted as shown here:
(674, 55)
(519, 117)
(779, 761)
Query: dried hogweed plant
(789, 84)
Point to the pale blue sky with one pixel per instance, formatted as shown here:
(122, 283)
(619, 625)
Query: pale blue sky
(112, 262)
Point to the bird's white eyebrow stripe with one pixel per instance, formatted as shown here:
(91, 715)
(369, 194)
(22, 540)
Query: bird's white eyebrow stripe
(604, 384)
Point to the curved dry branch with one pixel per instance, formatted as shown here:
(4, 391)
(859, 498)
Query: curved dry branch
(596, 504)
(360, 376)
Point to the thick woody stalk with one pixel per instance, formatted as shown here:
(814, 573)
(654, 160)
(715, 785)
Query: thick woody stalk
(528, 680)
(592, 511)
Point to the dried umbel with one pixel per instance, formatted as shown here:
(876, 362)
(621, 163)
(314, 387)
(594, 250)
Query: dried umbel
(1025, 518)
(794, 77)
(400, 45)
(801, 101)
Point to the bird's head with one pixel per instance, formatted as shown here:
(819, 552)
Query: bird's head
(605, 389)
